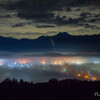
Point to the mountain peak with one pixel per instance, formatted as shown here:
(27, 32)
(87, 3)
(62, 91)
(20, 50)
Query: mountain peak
(63, 34)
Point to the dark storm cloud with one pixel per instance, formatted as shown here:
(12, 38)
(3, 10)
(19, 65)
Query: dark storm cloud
(57, 20)
(33, 9)
(97, 15)
(5, 16)
(51, 32)
(41, 16)
(91, 26)
(21, 24)
(62, 21)
(24, 34)
(41, 11)
(85, 15)
(45, 26)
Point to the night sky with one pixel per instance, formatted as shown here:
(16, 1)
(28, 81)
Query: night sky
(33, 18)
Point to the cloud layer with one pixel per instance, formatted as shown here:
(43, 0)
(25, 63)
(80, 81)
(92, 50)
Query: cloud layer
(78, 17)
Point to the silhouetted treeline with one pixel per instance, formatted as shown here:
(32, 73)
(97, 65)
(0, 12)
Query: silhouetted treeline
(52, 90)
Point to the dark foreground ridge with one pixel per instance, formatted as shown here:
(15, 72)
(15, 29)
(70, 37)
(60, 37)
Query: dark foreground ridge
(70, 89)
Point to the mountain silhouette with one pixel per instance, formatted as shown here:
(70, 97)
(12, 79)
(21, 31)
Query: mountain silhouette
(63, 42)
(62, 35)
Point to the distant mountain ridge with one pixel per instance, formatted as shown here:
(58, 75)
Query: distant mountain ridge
(61, 42)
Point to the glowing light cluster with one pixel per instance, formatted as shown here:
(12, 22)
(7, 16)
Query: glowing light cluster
(94, 78)
(23, 61)
(2, 61)
(43, 62)
(87, 77)
(79, 75)
(74, 67)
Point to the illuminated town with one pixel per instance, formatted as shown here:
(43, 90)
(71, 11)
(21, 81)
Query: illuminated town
(76, 67)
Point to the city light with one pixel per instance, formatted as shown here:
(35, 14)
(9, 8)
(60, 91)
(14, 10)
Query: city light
(1, 62)
(23, 61)
(94, 78)
(79, 70)
(55, 63)
(43, 62)
(64, 70)
(79, 75)
(86, 76)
